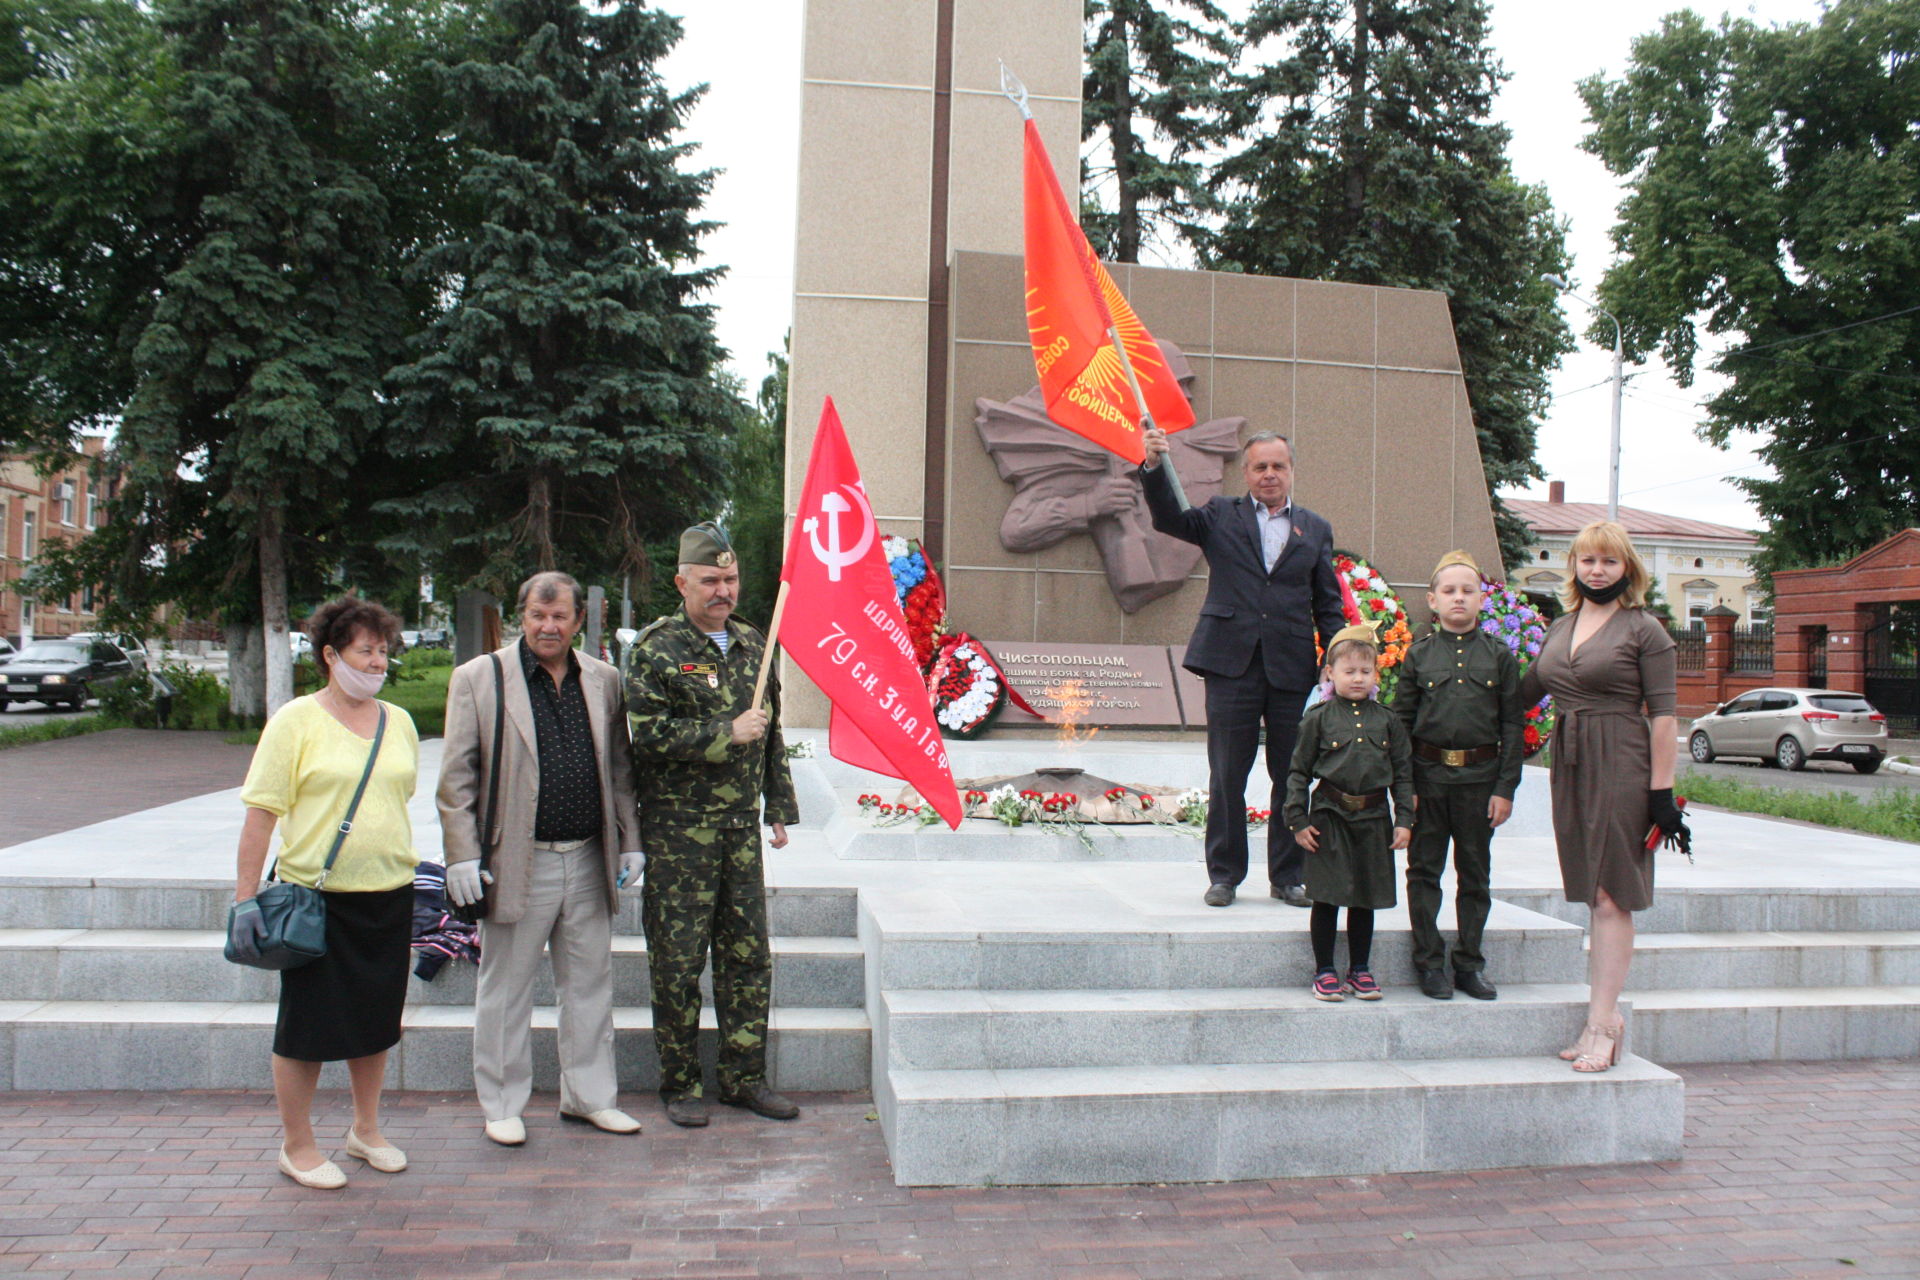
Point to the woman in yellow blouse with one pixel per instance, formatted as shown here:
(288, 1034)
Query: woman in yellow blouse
(347, 1004)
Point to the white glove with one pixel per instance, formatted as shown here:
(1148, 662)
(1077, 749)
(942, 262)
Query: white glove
(632, 865)
(466, 882)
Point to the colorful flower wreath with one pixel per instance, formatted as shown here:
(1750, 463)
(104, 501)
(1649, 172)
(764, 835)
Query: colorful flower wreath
(1511, 619)
(969, 689)
(1366, 597)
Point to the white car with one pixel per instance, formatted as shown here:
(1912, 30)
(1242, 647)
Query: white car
(1789, 727)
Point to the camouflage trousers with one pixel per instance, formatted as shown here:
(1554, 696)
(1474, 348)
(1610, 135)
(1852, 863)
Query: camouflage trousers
(704, 896)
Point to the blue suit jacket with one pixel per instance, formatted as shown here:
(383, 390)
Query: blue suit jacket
(1248, 608)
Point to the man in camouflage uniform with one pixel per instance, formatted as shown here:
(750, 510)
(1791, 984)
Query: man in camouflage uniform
(703, 758)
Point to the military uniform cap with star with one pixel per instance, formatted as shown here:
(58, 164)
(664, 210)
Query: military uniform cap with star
(1453, 558)
(707, 543)
(1364, 632)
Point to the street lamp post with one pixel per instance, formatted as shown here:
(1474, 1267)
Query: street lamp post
(1613, 455)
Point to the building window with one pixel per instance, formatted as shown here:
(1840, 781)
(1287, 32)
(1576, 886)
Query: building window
(93, 506)
(66, 502)
(86, 600)
(1546, 555)
(1759, 611)
(1698, 563)
(26, 537)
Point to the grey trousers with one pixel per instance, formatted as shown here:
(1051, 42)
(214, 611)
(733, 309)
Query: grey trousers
(567, 912)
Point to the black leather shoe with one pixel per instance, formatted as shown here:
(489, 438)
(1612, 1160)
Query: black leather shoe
(762, 1101)
(688, 1111)
(1475, 985)
(1436, 984)
(1219, 895)
(1294, 895)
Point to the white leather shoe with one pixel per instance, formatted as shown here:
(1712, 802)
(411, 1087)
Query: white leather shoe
(385, 1159)
(325, 1176)
(610, 1120)
(509, 1132)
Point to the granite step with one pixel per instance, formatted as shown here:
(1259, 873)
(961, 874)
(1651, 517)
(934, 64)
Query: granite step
(1777, 958)
(1774, 1024)
(1743, 910)
(106, 903)
(160, 1045)
(182, 964)
(1011, 1030)
(1238, 1121)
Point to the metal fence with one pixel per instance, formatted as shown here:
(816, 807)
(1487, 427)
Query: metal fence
(1753, 650)
(1692, 648)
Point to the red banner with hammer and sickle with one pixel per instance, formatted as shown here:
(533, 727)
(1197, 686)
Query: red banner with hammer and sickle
(844, 628)
(1071, 305)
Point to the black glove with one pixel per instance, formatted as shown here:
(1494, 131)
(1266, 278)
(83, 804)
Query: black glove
(245, 929)
(1671, 820)
(1664, 813)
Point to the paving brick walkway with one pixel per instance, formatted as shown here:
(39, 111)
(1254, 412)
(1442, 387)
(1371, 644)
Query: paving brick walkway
(1797, 1169)
(50, 787)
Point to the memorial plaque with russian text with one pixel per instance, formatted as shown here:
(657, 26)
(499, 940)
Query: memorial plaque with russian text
(1108, 684)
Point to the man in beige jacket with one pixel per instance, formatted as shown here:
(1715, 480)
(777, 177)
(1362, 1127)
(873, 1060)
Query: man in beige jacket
(565, 841)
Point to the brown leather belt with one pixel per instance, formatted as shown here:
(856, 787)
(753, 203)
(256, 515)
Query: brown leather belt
(1328, 794)
(1454, 756)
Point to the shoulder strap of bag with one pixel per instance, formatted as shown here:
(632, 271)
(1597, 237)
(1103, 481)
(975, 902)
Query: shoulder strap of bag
(346, 823)
(487, 815)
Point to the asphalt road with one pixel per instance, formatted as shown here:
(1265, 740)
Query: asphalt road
(15, 714)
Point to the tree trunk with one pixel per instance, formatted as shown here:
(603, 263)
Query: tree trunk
(540, 520)
(1126, 236)
(246, 683)
(1355, 133)
(277, 657)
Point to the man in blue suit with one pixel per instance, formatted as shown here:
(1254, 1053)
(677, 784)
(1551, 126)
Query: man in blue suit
(1270, 585)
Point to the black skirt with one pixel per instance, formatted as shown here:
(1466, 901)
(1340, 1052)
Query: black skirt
(347, 1004)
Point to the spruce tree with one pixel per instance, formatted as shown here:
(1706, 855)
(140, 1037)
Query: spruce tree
(567, 400)
(1359, 149)
(1154, 69)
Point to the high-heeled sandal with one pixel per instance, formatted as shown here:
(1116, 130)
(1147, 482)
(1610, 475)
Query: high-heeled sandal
(1590, 1061)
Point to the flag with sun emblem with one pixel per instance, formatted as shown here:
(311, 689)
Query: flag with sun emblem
(1072, 305)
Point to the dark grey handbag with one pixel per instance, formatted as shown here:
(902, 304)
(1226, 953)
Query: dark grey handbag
(294, 916)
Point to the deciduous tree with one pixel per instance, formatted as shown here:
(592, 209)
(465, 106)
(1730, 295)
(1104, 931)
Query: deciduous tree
(1774, 201)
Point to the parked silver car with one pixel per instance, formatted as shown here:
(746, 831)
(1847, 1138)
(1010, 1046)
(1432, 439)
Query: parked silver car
(1789, 727)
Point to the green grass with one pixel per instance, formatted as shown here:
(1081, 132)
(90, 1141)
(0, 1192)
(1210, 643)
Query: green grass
(1894, 812)
(53, 730)
(424, 698)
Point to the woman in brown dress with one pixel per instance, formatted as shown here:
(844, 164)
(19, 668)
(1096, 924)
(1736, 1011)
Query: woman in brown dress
(1609, 665)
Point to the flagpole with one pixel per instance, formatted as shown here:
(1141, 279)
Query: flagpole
(773, 638)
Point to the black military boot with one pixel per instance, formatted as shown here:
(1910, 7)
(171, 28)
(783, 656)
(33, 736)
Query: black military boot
(1434, 983)
(1474, 984)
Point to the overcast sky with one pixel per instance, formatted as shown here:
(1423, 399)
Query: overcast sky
(748, 126)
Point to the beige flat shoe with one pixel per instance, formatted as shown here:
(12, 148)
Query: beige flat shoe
(385, 1159)
(325, 1176)
(607, 1121)
(510, 1132)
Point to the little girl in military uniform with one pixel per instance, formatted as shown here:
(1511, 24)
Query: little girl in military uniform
(1358, 752)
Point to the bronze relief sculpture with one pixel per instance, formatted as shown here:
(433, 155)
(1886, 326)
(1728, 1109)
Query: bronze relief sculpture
(1064, 485)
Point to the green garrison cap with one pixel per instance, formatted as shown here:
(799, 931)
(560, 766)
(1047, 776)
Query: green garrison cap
(707, 543)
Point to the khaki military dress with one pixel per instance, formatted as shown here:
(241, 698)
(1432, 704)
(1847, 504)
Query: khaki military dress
(1359, 748)
(1603, 697)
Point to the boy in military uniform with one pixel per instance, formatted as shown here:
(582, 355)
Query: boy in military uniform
(1356, 750)
(1459, 698)
(704, 758)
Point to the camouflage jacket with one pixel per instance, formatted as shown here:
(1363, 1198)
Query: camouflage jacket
(682, 697)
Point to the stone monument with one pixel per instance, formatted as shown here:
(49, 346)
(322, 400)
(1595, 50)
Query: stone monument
(909, 310)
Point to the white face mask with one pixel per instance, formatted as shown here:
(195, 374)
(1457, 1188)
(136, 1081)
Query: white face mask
(355, 683)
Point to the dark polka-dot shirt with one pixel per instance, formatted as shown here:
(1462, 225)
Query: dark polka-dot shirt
(569, 807)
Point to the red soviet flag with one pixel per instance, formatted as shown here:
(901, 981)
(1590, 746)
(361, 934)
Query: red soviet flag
(844, 628)
(1071, 303)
